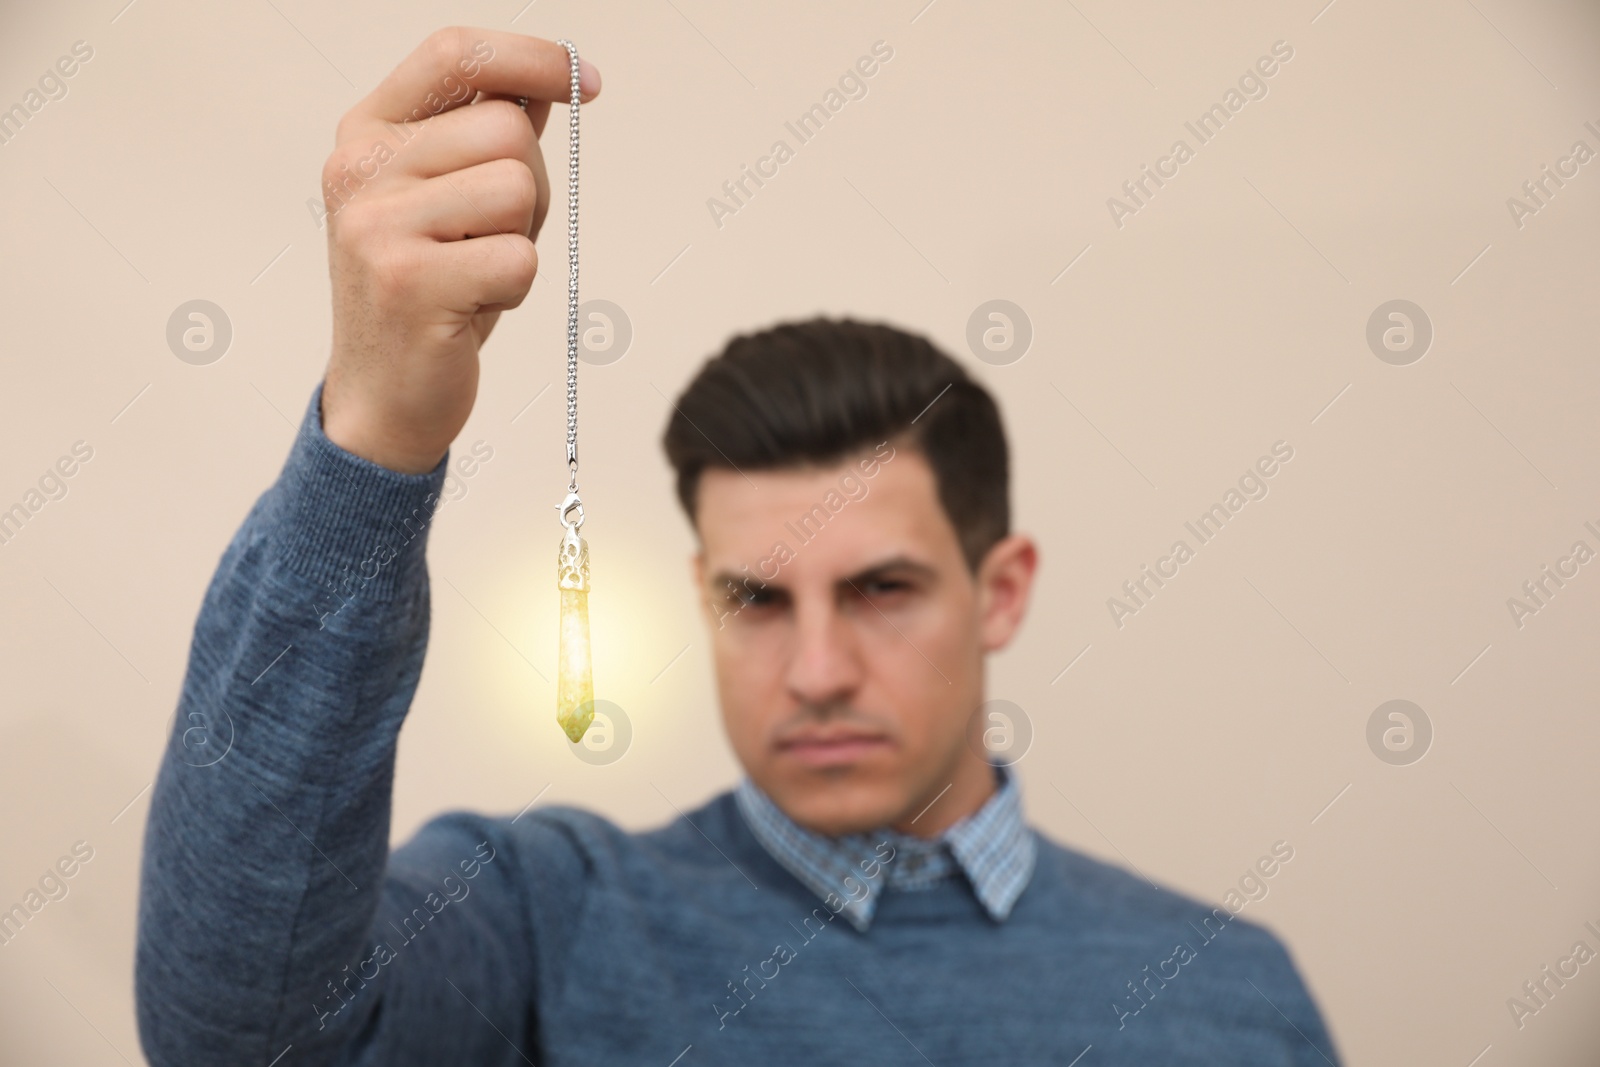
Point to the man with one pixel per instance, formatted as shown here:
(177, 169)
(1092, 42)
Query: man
(869, 892)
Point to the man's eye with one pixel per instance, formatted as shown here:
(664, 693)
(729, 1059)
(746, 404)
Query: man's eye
(749, 596)
(884, 586)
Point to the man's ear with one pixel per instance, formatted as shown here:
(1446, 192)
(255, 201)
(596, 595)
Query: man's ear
(1005, 581)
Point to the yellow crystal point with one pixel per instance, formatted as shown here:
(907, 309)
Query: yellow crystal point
(575, 684)
(575, 680)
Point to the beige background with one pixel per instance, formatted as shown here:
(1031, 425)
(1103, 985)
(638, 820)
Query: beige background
(1228, 314)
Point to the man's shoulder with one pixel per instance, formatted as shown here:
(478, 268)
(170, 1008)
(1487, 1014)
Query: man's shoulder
(688, 838)
(712, 818)
(1118, 922)
(560, 853)
(1119, 904)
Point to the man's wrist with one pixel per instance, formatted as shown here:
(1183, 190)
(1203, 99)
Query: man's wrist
(348, 523)
(358, 435)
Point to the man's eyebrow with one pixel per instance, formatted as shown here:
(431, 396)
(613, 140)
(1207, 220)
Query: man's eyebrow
(725, 578)
(894, 564)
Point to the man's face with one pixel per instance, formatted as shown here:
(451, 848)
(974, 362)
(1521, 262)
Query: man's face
(849, 635)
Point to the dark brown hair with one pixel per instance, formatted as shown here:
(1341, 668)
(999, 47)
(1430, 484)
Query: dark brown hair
(817, 391)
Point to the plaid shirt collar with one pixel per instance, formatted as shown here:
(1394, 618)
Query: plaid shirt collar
(993, 847)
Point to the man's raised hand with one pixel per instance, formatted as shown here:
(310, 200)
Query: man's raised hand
(435, 190)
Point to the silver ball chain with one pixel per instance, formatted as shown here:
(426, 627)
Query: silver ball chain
(572, 269)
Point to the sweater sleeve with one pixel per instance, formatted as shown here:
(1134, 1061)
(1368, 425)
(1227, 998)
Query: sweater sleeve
(274, 926)
(1279, 984)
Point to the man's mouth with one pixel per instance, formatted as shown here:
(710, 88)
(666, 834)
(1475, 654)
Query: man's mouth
(829, 747)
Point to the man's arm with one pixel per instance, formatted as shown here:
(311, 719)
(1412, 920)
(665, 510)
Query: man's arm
(265, 895)
(271, 914)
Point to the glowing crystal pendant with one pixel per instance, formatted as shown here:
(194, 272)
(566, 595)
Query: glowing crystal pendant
(575, 680)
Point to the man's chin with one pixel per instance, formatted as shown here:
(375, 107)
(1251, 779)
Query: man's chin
(839, 804)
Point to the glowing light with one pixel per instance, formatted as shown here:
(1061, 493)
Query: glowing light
(575, 679)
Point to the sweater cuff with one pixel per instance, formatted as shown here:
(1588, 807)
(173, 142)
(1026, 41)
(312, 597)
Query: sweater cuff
(346, 522)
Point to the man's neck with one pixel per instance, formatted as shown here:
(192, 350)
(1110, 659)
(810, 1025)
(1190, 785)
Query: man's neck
(965, 791)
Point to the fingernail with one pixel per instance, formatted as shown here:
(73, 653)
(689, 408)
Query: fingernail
(588, 77)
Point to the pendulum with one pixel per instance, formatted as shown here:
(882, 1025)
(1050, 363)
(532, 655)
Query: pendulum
(575, 680)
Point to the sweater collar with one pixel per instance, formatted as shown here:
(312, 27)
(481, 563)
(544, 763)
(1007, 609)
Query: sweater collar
(992, 846)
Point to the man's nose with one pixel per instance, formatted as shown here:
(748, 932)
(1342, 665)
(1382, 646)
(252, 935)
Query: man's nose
(825, 662)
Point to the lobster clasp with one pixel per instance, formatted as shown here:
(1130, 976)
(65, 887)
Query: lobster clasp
(570, 505)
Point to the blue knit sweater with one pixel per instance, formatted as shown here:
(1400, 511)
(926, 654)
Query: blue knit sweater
(276, 927)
